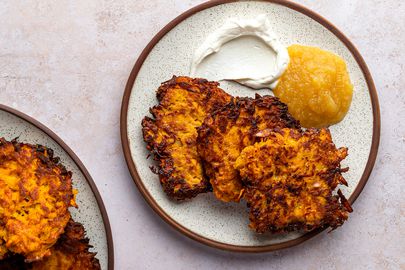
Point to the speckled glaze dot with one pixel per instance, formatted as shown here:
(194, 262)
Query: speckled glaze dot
(88, 212)
(228, 222)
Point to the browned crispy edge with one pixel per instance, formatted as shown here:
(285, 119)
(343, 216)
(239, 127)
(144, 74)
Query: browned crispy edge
(46, 156)
(232, 111)
(337, 207)
(73, 241)
(165, 168)
(165, 162)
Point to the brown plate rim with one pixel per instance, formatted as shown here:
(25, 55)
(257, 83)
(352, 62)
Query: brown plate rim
(131, 165)
(81, 167)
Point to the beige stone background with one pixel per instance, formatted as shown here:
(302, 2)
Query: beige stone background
(66, 64)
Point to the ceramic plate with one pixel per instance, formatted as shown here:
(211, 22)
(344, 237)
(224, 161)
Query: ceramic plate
(91, 212)
(225, 225)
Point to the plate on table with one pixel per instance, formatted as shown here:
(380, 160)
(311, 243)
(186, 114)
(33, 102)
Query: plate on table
(205, 219)
(91, 211)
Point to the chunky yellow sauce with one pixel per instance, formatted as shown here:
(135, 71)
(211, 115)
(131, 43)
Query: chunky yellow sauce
(316, 86)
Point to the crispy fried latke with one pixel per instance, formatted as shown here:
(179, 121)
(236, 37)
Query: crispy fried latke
(289, 181)
(71, 252)
(35, 193)
(225, 133)
(171, 136)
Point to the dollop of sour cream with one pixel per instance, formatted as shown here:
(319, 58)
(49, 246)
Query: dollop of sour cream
(243, 50)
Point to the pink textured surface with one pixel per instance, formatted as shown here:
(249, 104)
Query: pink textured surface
(66, 64)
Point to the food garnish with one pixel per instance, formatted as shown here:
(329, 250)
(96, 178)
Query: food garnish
(316, 86)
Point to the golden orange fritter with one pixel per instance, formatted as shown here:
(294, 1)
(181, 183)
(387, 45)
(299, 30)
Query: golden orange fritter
(225, 133)
(171, 136)
(71, 252)
(35, 193)
(289, 179)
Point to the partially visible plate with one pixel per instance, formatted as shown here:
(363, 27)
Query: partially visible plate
(205, 219)
(91, 211)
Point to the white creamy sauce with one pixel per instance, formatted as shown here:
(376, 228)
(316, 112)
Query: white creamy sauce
(246, 51)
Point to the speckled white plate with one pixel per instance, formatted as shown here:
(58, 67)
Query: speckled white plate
(225, 225)
(91, 212)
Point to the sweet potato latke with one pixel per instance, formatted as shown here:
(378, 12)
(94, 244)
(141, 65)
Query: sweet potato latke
(171, 136)
(289, 180)
(35, 193)
(225, 133)
(71, 252)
